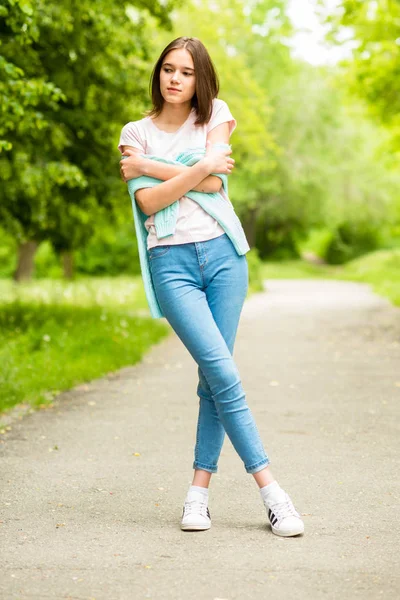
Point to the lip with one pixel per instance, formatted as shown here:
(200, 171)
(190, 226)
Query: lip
(173, 90)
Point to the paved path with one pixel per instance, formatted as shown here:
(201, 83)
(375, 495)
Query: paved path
(84, 517)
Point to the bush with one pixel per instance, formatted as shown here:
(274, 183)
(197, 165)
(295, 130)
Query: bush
(277, 240)
(255, 271)
(8, 254)
(351, 240)
(110, 252)
(47, 263)
(316, 242)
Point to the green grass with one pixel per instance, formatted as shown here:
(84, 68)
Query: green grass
(54, 334)
(111, 292)
(381, 269)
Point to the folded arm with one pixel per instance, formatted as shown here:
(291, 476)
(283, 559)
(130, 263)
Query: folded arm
(163, 171)
(153, 199)
(179, 180)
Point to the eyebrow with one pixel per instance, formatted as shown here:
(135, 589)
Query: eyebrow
(171, 65)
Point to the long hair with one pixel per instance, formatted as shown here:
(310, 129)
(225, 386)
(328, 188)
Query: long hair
(207, 84)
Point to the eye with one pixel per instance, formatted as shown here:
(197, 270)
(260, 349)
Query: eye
(187, 74)
(167, 69)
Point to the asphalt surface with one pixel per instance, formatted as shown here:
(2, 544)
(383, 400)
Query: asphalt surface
(92, 489)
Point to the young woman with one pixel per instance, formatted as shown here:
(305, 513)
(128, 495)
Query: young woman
(199, 272)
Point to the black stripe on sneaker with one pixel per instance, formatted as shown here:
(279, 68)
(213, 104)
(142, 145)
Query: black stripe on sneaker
(272, 517)
(208, 514)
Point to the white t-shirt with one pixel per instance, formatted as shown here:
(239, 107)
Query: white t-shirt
(194, 224)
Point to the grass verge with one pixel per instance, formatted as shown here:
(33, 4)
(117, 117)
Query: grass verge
(55, 335)
(380, 269)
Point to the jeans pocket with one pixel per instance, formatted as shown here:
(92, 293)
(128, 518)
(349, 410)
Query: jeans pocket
(157, 251)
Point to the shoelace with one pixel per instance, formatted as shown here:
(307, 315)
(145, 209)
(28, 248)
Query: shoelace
(284, 509)
(196, 506)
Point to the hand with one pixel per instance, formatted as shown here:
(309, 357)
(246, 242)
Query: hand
(218, 160)
(132, 166)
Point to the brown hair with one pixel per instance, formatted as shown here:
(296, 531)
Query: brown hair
(207, 84)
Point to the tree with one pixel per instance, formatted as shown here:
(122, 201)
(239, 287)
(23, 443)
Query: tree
(57, 175)
(373, 71)
(306, 154)
(20, 95)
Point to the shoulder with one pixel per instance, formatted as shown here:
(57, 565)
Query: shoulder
(134, 134)
(221, 114)
(218, 104)
(135, 126)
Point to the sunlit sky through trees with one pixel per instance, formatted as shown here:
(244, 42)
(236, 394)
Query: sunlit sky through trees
(308, 43)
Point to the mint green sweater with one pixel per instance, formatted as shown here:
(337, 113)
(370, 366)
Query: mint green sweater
(165, 220)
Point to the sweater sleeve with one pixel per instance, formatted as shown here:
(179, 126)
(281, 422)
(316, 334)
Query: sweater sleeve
(131, 136)
(221, 114)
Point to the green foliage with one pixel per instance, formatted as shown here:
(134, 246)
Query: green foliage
(307, 155)
(381, 269)
(351, 240)
(111, 251)
(8, 249)
(296, 269)
(316, 242)
(21, 96)
(47, 263)
(255, 271)
(373, 73)
(77, 64)
(276, 237)
(229, 45)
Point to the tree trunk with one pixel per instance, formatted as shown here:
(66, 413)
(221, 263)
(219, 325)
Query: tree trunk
(249, 225)
(25, 266)
(68, 264)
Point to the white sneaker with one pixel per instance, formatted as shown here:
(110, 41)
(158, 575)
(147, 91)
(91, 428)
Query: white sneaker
(195, 515)
(284, 518)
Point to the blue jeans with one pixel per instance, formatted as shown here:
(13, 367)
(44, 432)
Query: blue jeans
(201, 288)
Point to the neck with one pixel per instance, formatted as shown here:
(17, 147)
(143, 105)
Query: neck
(175, 114)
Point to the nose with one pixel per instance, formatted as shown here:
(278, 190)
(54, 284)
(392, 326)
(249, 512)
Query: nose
(175, 77)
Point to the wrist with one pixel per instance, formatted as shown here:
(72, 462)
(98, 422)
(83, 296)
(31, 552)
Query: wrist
(144, 166)
(206, 165)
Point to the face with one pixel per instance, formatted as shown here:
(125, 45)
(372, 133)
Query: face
(177, 77)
